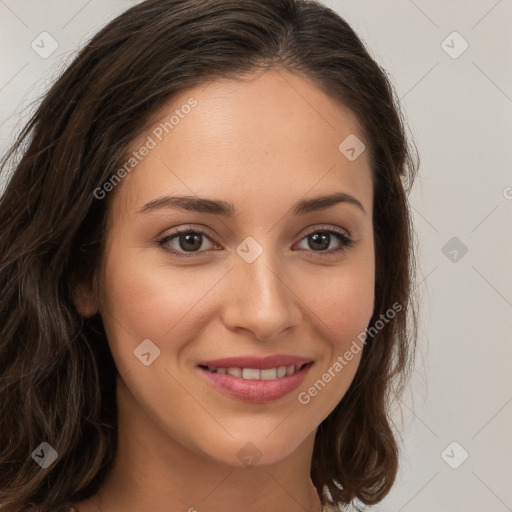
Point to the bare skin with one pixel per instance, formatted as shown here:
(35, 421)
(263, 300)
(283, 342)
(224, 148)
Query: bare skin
(261, 145)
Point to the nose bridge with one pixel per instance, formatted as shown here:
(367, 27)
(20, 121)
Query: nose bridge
(262, 300)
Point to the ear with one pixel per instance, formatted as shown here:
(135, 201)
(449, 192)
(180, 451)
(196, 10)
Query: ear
(85, 300)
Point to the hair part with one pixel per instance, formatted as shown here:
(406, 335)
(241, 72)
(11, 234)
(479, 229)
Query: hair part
(57, 374)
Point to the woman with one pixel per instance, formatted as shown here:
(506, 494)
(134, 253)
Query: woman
(206, 269)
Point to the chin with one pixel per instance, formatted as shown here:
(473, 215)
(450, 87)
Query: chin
(258, 450)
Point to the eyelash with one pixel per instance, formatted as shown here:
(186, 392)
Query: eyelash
(346, 242)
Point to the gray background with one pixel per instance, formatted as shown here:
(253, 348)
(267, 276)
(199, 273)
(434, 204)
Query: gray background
(459, 109)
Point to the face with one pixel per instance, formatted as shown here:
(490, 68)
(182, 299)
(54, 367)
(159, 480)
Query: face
(264, 278)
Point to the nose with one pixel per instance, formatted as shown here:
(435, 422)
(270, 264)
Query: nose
(261, 299)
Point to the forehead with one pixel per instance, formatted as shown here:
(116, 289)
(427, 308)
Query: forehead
(268, 137)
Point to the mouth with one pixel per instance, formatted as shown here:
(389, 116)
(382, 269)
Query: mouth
(256, 385)
(277, 372)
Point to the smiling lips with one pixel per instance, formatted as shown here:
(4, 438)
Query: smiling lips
(255, 374)
(256, 379)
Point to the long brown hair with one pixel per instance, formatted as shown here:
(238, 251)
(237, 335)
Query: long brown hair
(57, 375)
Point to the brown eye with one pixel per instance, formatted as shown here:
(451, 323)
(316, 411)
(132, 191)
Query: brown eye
(320, 241)
(190, 241)
(185, 242)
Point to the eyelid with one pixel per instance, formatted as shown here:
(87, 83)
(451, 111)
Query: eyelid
(313, 228)
(186, 229)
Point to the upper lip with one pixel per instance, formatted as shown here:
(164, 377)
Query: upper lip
(257, 362)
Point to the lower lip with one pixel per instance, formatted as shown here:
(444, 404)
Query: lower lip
(252, 390)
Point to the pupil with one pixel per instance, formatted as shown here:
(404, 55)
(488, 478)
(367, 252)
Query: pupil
(190, 239)
(322, 239)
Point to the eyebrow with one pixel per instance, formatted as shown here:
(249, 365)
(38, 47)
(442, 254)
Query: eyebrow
(217, 207)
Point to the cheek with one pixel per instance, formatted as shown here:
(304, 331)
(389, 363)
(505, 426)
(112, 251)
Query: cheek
(144, 300)
(343, 306)
(343, 302)
(348, 312)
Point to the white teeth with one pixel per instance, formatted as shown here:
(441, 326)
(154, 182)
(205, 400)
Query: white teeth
(269, 374)
(281, 371)
(255, 374)
(250, 373)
